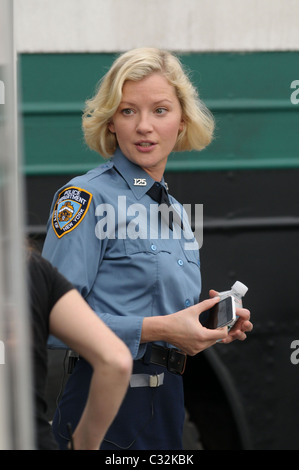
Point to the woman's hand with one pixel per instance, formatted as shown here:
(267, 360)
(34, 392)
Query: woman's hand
(183, 329)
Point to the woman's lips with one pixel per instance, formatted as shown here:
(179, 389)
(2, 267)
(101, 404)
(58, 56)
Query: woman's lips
(145, 146)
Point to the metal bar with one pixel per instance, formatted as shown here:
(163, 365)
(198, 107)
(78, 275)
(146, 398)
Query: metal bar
(215, 225)
(16, 411)
(251, 223)
(221, 105)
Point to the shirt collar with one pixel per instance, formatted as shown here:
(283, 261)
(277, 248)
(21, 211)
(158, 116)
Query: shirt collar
(137, 179)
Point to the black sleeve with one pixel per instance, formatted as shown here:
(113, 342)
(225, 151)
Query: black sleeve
(47, 285)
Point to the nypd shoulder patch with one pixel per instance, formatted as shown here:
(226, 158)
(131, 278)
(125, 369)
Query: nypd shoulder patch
(70, 209)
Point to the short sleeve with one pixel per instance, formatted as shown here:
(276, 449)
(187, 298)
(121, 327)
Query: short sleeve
(47, 284)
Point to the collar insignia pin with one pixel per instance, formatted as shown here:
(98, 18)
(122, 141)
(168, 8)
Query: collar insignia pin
(140, 182)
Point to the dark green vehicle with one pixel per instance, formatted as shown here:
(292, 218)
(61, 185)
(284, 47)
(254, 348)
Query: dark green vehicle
(243, 395)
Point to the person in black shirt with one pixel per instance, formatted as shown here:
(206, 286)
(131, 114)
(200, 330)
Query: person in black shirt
(57, 308)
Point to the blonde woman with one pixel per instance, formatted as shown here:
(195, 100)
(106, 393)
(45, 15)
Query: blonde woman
(124, 245)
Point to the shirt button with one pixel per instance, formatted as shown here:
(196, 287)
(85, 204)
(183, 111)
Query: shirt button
(153, 247)
(180, 262)
(187, 302)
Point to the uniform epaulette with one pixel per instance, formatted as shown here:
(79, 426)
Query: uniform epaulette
(99, 170)
(90, 175)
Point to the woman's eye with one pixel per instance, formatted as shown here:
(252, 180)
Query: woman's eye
(127, 111)
(161, 110)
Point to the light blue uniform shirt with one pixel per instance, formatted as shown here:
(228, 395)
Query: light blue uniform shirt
(104, 237)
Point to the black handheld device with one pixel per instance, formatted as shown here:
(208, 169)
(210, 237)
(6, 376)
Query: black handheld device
(222, 314)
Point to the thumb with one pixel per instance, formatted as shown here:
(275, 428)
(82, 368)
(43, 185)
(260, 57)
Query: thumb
(213, 293)
(208, 303)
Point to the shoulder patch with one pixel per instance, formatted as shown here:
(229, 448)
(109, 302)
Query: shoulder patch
(70, 209)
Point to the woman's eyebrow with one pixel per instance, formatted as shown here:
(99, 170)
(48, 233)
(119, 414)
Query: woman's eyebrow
(163, 100)
(127, 103)
(155, 103)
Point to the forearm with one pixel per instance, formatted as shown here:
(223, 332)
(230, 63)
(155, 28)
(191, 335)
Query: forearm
(182, 329)
(102, 405)
(154, 329)
(74, 322)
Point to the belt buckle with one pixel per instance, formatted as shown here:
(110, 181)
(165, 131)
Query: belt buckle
(176, 361)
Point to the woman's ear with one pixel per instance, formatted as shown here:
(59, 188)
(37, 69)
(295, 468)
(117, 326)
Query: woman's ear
(111, 127)
(182, 126)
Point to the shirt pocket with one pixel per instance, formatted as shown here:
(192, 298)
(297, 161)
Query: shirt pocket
(191, 252)
(139, 245)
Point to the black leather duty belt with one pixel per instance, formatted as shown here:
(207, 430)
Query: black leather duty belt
(173, 359)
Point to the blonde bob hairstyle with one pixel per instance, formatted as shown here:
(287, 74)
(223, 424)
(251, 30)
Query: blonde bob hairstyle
(136, 65)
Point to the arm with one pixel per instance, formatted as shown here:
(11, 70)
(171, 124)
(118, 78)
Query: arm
(73, 321)
(78, 255)
(183, 329)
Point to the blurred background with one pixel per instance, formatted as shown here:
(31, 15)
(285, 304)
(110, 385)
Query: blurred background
(243, 56)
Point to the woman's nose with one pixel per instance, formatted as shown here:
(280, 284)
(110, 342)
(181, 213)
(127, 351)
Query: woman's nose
(144, 124)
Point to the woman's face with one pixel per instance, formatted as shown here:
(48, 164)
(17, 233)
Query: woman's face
(147, 123)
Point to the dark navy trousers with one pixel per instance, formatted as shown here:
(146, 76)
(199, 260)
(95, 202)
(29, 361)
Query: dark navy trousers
(150, 418)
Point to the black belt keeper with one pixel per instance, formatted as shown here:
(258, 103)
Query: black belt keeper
(171, 358)
(72, 361)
